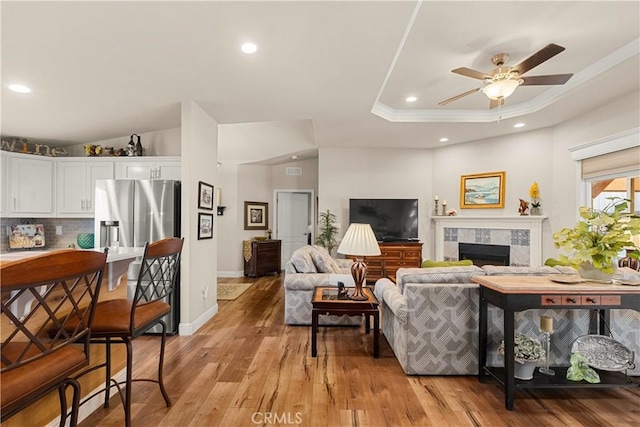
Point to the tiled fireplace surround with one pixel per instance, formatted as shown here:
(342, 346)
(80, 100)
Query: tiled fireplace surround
(523, 234)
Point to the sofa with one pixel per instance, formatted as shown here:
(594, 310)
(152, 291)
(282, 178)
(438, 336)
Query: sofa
(430, 319)
(311, 266)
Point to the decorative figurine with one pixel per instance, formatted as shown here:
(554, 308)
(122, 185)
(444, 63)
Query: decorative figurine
(524, 205)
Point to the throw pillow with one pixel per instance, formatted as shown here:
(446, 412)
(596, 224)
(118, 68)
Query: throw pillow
(552, 262)
(427, 263)
(323, 261)
(302, 261)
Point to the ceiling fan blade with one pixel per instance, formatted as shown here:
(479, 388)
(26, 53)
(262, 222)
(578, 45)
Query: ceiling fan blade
(554, 79)
(544, 54)
(468, 72)
(462, 95)
(494, 103)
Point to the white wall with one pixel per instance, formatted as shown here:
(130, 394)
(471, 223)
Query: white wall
(199, 263)
(346, 173)
(307, 181)
(229, 225)
(525, 157)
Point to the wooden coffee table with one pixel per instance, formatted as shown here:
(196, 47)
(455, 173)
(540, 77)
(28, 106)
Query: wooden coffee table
(325, 301)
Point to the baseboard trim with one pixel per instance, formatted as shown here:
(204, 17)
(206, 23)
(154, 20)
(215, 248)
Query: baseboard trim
(186, 329)
(230, 273)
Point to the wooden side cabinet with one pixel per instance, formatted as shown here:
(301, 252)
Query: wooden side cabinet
(261, 257)
(393, 255)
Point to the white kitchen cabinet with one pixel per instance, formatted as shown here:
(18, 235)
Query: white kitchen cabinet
(3, 185)
(75, 185)
(31, 186)
(158, 168)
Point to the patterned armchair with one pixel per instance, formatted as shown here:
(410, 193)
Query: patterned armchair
(430, 319)
(312, 266)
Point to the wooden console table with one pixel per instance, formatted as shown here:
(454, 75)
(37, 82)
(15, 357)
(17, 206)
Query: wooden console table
(261, 257)
(393, 255)
(519, 293)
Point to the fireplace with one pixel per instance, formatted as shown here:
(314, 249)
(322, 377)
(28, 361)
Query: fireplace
(482, 254)
(523, 234)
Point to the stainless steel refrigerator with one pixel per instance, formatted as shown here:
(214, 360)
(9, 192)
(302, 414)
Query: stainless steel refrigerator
(130, 213)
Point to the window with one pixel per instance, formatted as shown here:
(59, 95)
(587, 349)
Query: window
(627, 187)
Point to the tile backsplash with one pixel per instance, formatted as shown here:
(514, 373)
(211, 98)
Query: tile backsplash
(70, 229)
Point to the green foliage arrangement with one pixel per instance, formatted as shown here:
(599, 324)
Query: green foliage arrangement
(525, 348)
(327, 231)
(600, 236)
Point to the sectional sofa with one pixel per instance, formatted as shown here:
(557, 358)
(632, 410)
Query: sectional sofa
(430, 319)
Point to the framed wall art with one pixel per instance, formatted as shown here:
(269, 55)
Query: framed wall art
(205, 226)
(205, 196)
(256, 216)
(482, 191)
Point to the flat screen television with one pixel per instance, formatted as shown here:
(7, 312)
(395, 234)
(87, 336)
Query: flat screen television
(392, 220)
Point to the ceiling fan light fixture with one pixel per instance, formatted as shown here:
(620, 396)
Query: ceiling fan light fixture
(501, 89)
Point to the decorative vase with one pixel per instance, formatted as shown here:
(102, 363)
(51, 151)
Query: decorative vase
(535, 211)
(85, 240)
(523, 369)
(588, 271)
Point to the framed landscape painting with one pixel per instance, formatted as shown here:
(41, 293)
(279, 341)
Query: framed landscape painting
(482, 191)
(256, 216)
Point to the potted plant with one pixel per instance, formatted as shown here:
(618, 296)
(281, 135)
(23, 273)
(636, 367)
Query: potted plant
(327, 231)
(527, 353)
(598, 238)
(534, 193)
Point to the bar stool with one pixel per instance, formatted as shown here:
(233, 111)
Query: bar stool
(41, 297)
(120, 321)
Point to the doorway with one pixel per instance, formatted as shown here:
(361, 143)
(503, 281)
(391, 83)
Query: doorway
(295, 212)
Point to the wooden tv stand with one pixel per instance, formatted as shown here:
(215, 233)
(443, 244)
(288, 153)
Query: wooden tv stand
(394, 255)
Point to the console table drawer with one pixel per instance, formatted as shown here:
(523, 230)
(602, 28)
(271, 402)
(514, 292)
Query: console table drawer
(580, 300)
(591, 300)
(551, 300)
(388, 254)
(412, 255)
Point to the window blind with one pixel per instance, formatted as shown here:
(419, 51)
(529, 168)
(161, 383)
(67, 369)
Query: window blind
(622, 161)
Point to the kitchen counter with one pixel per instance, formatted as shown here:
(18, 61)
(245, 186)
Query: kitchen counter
(118, 260)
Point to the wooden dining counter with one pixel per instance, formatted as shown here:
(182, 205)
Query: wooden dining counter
(114, 286)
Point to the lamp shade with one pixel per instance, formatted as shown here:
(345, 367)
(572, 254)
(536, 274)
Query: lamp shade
(359, 241)
(501, 88)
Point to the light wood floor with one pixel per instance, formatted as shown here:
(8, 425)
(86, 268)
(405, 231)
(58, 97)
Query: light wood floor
(245, 368)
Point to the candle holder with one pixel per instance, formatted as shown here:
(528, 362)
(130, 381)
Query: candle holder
(444, 209)
(546, 327)
(435, 211)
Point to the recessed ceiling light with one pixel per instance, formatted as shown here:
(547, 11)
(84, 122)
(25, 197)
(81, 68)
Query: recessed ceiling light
(294, 157)
(249, 48)
(444, 139)
(19, 88)
(518, 125)
(411, 99)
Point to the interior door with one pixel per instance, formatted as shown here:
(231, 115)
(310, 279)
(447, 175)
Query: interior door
(294, 225)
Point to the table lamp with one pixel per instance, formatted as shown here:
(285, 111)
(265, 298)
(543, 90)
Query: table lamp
(359, 241)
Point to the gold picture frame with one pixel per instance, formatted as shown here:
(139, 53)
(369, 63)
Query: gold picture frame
(482, 190)
(256, 216)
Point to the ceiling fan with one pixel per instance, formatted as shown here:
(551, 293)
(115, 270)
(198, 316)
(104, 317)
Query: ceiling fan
(503, 80)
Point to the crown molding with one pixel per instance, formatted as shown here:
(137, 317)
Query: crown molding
(541, 101)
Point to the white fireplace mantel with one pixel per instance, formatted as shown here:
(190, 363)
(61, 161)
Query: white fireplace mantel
(507, 222)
